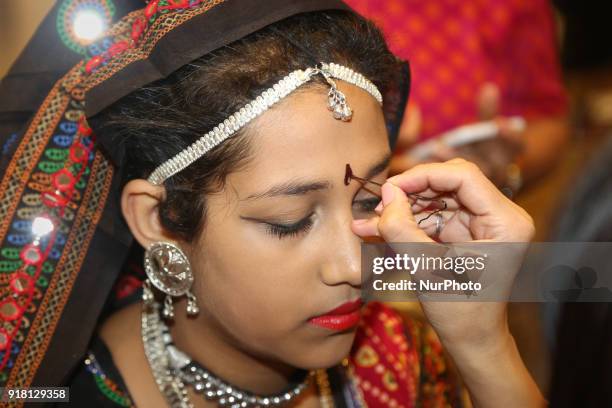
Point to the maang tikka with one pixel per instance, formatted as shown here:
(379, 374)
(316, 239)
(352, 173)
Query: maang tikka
(168, 269)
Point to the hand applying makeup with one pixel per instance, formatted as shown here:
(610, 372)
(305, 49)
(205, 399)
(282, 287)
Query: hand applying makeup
(475, 334)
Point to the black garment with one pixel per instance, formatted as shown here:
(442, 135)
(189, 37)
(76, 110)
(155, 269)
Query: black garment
(582, 361)
(582, 374)
(84, 392)
(43, 61)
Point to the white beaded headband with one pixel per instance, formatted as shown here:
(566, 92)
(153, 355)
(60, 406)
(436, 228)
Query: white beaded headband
(229, 127)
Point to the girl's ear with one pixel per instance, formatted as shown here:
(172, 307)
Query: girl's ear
(140, 207)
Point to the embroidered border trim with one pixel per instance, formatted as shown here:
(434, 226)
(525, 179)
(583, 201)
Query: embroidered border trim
(57, 174)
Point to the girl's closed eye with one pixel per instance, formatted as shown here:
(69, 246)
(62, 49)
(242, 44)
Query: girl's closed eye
(290, 230)
(282, 230)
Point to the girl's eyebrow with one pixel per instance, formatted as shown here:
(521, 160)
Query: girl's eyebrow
(291, 187)
(300, 187)
(380, 166)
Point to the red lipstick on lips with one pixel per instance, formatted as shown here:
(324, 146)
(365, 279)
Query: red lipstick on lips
(343, 317)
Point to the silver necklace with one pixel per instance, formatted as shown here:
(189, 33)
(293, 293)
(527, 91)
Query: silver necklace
(226, 395)
(172, 369)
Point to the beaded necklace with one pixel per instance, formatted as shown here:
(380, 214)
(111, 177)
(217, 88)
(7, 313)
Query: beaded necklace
(107, 386)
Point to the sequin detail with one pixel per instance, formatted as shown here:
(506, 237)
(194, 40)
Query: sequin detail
(54, 189)
(106, 386)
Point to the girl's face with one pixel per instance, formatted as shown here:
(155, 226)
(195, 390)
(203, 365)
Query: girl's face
(277, 248)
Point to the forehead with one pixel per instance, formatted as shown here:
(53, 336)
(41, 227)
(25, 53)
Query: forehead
(299, 138)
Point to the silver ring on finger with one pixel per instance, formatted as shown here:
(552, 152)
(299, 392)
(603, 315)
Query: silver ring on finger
(439, 224)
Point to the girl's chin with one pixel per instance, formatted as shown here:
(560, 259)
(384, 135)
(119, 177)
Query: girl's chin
(327, 352)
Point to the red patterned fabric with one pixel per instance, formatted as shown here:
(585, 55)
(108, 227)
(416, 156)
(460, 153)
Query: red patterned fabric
(454, 47)
(399, 362)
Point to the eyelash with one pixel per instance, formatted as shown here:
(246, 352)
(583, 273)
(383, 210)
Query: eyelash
(284, 231)
(302, 226)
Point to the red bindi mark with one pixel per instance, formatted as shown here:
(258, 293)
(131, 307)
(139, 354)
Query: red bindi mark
(348, 175)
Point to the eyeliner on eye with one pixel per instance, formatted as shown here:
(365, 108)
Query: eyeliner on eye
(283, 230)
(290, 230)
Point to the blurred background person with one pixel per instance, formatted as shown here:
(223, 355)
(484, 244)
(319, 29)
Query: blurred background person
(473, 61)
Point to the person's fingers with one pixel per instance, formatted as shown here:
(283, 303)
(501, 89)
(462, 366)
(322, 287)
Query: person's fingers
(432, 223)
(471, 187)
(488, 100)
(396, 223)
(366, 227)
(427, 200)
(509, 134)
(432, 200)
(443, 152)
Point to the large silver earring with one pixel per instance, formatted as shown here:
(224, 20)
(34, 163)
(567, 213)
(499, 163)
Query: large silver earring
(168, 269)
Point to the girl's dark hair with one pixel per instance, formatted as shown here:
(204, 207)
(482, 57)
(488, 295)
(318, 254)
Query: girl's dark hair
(157, 121)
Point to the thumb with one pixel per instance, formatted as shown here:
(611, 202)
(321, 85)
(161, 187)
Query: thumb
(397, 223)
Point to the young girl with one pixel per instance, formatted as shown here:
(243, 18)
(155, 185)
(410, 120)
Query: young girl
(230, 125)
